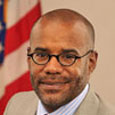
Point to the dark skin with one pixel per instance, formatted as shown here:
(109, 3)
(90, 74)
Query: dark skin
(55, 84)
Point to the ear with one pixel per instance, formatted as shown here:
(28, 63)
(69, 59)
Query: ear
(28, 58)
(92, 61)
(28, 50)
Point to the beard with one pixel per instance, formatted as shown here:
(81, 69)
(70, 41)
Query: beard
(56, 98)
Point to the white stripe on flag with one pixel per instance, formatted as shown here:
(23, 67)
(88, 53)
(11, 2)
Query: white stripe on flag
(15, 64)
(17, 9)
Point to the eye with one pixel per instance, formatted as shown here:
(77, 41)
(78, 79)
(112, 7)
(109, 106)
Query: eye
(69, 56)
(67, 59)
(41, 55)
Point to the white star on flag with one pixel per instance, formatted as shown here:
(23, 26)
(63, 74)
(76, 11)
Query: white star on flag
(1, 47)
(1, 27)
(0, 2)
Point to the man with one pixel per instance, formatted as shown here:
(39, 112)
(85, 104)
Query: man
(61, 58)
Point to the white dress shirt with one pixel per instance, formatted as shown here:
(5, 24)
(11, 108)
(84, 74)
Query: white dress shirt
(67, 109)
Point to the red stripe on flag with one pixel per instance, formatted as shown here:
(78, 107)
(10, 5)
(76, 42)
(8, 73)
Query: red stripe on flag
(21, 84)
(20, 32)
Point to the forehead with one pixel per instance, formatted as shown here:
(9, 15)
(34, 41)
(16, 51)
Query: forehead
(56, 36)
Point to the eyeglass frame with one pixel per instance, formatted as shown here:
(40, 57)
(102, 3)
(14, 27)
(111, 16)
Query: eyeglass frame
(57, 57)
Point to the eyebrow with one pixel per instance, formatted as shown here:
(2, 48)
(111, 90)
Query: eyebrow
(39, 48)
(70, 50)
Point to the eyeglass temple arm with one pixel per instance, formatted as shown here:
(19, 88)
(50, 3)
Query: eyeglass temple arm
(90, 51)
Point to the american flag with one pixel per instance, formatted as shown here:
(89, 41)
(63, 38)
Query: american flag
(16, 20)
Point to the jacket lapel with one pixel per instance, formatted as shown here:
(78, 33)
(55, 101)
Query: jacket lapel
(32, 107)
(89, 106)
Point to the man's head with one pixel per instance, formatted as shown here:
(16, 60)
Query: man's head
(69, 35)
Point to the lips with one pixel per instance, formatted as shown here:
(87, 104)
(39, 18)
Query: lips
(50, 84)
(53, 82)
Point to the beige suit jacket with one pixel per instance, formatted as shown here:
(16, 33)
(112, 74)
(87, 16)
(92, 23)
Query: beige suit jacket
(26, 103)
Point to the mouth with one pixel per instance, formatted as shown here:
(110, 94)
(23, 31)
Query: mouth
(52, 84)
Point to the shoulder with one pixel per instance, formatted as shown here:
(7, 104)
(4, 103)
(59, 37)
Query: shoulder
(93, 104)
(24, 97)
(27, 95)
(105, 107)
(100, 104)
(20, 102)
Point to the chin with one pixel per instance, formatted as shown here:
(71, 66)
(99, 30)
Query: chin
(55, 99)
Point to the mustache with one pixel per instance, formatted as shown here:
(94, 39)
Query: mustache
(53, 78)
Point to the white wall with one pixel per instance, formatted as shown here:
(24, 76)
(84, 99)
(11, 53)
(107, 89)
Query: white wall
(102, 14)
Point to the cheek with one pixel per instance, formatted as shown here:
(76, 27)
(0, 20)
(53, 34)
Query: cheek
(78, 72)
(75, 70)
(35, 71)
(80, 68)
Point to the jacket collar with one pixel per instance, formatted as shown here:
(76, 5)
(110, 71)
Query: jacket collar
(90, 104)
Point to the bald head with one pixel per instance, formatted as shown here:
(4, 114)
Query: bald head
(67, 17)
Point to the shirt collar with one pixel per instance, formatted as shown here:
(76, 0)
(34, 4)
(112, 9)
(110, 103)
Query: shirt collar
(67, 109)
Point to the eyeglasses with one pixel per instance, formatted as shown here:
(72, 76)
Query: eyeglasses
(65, 59)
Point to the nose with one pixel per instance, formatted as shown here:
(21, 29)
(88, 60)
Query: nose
(53, 67)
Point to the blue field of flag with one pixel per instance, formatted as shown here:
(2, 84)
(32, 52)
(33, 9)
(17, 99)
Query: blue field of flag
(2, 31)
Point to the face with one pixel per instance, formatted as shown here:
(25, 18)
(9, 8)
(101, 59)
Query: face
(55, 84)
